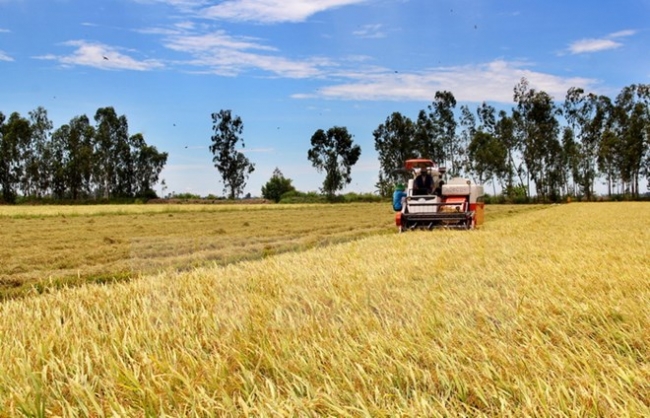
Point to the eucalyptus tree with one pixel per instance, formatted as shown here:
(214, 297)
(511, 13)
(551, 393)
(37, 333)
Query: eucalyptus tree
(504, 132)
(35, 179)
(59, 149)
(538, 129)
(487, 154)
(467, 122)
(443, 121)
(111, 140)
(232, 164)
(587, 115)
(610, 153)
(428, 141)
(631, 121)
(78, 157)
(15, 135)
(571, 162)
(396, 141)
(148, 163)
(334, 152)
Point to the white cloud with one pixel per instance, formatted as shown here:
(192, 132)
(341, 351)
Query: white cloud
(593, 45)
(210, 41)
(220, 53)
(271, 11)
(4, 30)
(101, 56)
(232, 62)
(370, 31)
(492, 81)
(583, 46)
(622, 34)
(5, 57)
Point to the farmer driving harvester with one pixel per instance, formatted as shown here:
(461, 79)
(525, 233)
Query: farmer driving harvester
(423, 184)
(429, 202)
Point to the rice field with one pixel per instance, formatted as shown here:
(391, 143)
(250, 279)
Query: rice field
(46, 247)
(540, 313)
(53, 246)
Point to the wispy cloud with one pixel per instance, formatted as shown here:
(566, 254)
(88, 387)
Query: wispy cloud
(4, 30)
(622, 34)
(584, 46)
(102, 56)
(370, 31)
(219, 53)
(214, 40)
(4, 56)
(272, 11)
(491, 81)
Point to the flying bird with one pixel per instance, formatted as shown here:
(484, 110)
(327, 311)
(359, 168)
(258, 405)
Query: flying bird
(105, 57)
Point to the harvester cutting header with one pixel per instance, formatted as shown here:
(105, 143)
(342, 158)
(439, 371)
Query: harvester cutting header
(428, 202)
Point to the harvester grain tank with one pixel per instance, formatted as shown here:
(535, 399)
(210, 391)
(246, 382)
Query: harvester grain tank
(428, 202)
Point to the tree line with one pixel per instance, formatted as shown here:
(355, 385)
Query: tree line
(539, 147)
(76, 161)
(551, 149)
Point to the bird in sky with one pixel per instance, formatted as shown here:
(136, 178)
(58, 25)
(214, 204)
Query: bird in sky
(105, 57)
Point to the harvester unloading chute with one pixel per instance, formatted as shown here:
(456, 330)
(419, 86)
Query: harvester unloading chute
(456, 204)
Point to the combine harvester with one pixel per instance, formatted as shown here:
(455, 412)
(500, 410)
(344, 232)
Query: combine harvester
(455, 205)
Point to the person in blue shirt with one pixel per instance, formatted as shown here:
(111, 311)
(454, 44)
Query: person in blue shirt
(398, 197)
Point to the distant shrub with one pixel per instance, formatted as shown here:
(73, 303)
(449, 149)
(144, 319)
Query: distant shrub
(296, 196)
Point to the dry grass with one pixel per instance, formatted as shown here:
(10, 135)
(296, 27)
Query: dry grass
(543, 313)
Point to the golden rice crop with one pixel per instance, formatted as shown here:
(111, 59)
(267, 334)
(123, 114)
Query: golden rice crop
(540, 314)
(50, 246)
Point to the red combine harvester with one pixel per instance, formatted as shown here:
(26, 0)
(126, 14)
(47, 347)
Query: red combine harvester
(429, 203)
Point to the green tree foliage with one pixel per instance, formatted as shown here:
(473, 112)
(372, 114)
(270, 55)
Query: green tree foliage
(428, 141)
(396, 141)
(149, 162)
(630, 125)
(333, 152)
(538, 129)
(467, 123)
(384, 187)
(277, 186)
(34, 154)
(15, 135)
(587, 115)
(504, 131)
(77, 160)
(232, 164)
(441, 117)
(487, 150)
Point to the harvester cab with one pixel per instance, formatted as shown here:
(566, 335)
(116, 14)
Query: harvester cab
(428, 202)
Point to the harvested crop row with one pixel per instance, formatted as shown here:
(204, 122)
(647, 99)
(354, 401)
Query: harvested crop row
(542, 314)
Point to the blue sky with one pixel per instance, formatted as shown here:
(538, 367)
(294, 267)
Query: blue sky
(290, 67)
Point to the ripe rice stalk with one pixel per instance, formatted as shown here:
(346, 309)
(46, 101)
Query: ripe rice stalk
(543, 313)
